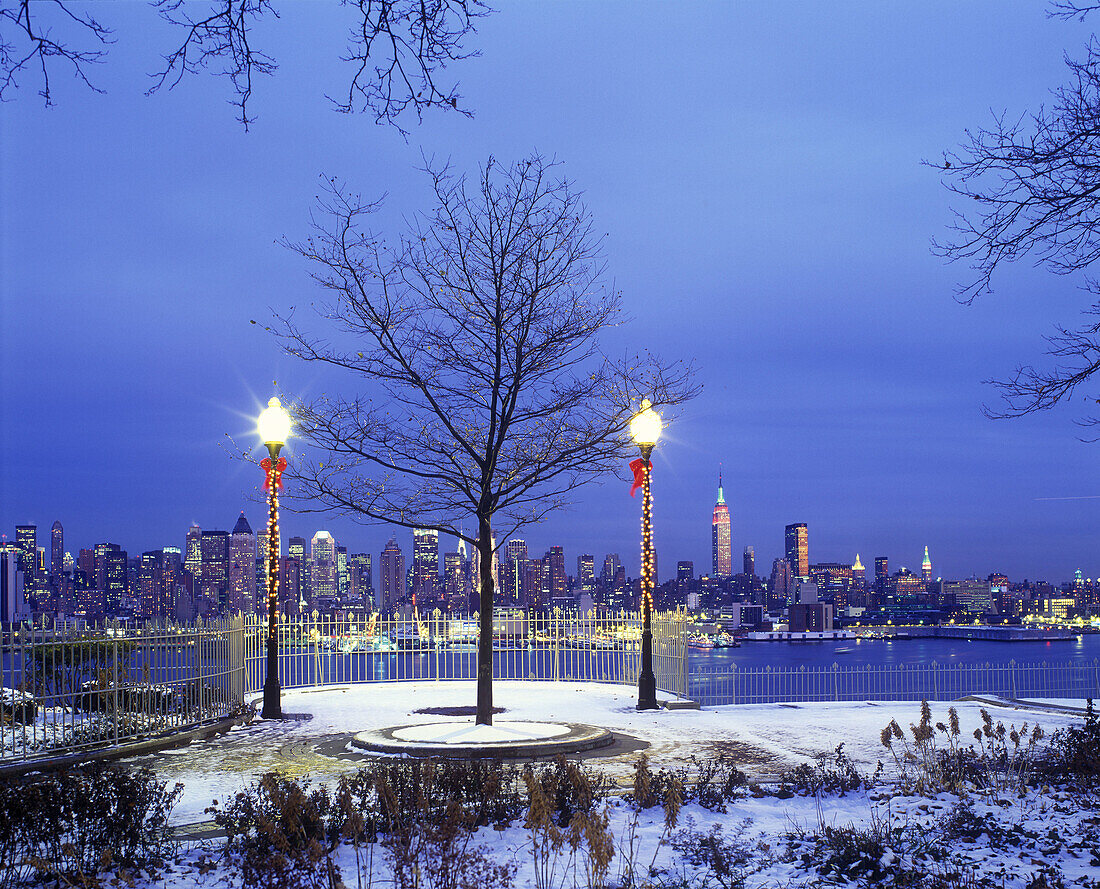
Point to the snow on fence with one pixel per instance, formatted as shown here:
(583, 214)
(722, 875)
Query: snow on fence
(711, 686)
(68, 690)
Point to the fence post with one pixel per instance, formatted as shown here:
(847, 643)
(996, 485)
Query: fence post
(1012, 673)
(935, 683)
(836, 682)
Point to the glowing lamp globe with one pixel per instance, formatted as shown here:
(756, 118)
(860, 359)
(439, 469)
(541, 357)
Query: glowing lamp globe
(274, 423)
(645, 426)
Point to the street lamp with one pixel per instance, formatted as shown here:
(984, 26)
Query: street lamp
(274, 427)
(645, 429)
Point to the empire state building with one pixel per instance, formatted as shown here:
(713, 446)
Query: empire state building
(720, 536)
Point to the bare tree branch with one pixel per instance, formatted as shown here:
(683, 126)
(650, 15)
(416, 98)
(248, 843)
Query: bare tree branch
(1031, 188)
(475, 343)
(220, 37)
(24, 43)
(399, 49)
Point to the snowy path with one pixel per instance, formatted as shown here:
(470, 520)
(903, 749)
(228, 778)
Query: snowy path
(767, 737)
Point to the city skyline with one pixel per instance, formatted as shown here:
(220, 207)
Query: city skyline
(769, 221)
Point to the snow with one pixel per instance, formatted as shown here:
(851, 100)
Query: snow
(768, 738)
(468, 733)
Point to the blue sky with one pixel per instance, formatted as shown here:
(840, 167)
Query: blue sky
(757, 169)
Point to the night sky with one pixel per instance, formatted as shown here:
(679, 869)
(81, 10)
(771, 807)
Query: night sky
(757, 168)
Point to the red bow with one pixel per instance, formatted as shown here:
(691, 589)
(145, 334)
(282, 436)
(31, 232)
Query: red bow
(638, 468)
(265, 464)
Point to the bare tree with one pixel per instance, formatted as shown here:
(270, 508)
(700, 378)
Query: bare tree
(475, 340)
(1031, 188)
(397, 49)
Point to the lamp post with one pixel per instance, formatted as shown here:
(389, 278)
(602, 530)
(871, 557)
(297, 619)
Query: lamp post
(645, 429)
(274, 426)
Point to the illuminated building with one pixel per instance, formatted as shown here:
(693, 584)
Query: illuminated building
(323, 569)
(12, 597)
(115, 577)
(192, 561)
(343, 578)
(556, 557)
(721, 557)
(296, 549)
(57, 550)
(425, 576)
(859, 573)
(781, 585)
(974, 596)
(511, 572)
(454, 582)
(926, 567)
(748, 562)
(797, 549)
(882, 573)
(361, 577)
(611, 566)
(586, 574)
(290, 584)
(532, 584)
(685, 574)
(392, 566)
(242, 568)
(214, 575)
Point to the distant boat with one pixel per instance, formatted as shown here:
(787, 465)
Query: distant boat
(700, 641)
(725, 640)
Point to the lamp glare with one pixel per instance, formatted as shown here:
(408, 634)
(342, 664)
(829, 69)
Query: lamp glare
(645, 426)
(274, 423)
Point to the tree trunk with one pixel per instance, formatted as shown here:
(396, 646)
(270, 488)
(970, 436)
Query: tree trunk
(485, 635)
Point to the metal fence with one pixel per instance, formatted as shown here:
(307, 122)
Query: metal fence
(68, 691)
(558, 645)
(65, 691)
(712, 686)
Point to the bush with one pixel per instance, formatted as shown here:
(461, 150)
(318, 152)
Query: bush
(1074, 752)
(715, 780)
(74, 826)
(282, 834)
(570, 788)
(386, 792)
(835, 777)
(714, 858)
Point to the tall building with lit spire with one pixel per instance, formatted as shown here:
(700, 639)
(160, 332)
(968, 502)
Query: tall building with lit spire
(859, 573)
(926, 567)
(721, 556)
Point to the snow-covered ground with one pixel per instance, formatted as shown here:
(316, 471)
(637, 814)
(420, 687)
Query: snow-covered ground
(768, 738)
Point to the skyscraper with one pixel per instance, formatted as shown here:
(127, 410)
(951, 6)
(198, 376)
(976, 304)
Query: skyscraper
(511, 572)
(797, 549)
(685, 574)
(748, 562)
(721, 556)
(192, 552)
(611, 564)
(425, 565)
(586, 573)
(323, 569)
(214, 573)
(454, 582)
(781, 586)
(296, 549)
(26, 539)
(12, 601)
(926, 567)
(392, 565)
(557, 572)
(242, 568)
(57, 550)
(361, 578)
(882, 573)
(343, 576)
(859, 573)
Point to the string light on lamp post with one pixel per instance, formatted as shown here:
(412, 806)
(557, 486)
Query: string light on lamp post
(645, 429)
(274, 428)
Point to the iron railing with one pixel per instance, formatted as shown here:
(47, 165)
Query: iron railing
(68, 690)
(713, 686)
